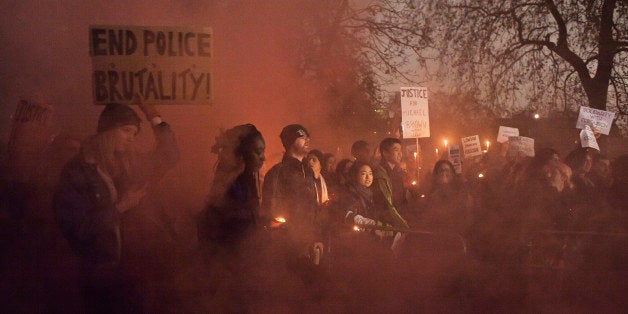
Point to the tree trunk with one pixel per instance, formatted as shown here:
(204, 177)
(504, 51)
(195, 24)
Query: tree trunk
(597, 92)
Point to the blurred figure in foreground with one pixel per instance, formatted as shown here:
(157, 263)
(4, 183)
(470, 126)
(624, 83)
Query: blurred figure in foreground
(232, 211)
(449, 205)
(97, 187)
(229, 227)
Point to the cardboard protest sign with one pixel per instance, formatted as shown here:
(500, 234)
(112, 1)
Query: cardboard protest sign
(455, 158)
(587, 138)
(167, 65)
(599, 119)
(30, 134)
(521, 145)
(506, 132)
(415, 120)
(471, 146)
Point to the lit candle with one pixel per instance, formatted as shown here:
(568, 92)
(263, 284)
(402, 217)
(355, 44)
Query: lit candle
(414, 156)
(487, 145)
(445, 141)
(436, 151)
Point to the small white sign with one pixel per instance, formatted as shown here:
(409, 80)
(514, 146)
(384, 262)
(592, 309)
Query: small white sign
(587, 138)
(506, 132)
(415, 118)
(471, 146)
(454, 157)
(600, 120)
(521, 145)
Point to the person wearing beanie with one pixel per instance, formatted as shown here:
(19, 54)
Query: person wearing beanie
(105, 180)
(287, 193)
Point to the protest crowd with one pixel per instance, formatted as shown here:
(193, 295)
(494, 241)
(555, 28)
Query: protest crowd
(502, 231)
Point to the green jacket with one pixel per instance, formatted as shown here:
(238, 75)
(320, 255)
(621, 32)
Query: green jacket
(382, 196)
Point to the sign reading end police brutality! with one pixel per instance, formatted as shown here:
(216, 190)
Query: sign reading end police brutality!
(415, 119)
(167, 65)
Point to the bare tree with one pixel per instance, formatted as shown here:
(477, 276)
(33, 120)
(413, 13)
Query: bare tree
(512, 55)
(332, 55)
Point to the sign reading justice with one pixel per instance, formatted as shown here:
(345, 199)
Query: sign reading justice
(167, 65)
(415, 118)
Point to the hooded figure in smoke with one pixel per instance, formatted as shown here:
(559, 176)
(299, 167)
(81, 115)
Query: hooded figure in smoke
(104, 181)
(232, 212)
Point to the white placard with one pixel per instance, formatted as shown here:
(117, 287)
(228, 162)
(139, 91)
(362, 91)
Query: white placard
(521, 144)
(415, 120)
(587, 138)
(471, 146)
(505, 132)
(599, 119)
(454, 157)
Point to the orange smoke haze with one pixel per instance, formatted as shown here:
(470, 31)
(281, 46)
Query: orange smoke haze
(254, 67)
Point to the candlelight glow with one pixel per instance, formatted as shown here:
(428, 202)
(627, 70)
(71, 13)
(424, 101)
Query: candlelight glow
(356, 228)
(536, 116)
(280, 219)
(488, 144)
(481, 175)
(413, 182)
(445, 141)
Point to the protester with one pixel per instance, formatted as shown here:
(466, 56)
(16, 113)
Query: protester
(358, 209)
(328, 165)
(388, 190)
(601, 175)
(358, 204)
(449, 205)
(342, 170)
(580, 162)
(361, 151)
(286, 192)
(232, 211)
(229, 227)
(97, 187)
(318, 182)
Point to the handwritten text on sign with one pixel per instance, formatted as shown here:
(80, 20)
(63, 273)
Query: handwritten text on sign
(414, 112)
(506, 132)
(520, 145)
(471, 146)
(599, 119)
(454, 157)
(168, 65)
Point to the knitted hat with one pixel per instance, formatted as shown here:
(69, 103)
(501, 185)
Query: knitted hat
(116, 115)
(290, 133)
